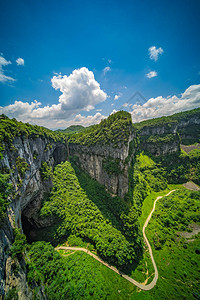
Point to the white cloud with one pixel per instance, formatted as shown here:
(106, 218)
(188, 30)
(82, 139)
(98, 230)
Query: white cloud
(99, 109)
(20, 110)
(117, 97)
(154, 53)
(3, 77)
(152, 74)
(106, 69)
(125, 105)
(109, 61)
(80, 91)
(80, 120)
(20, 61)
(160, 106)
(89, 120)
(114, 111)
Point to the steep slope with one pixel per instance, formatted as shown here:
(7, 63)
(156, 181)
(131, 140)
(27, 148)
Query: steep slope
(102, 151)
(24, 150)
(105, 151)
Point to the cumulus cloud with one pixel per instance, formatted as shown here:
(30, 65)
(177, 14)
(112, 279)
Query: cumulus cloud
(152, 74)
(20, 61)
(154, 53)
(106, 69)
(20, 110)
(160, 106)
(89, 120)
(79, 92)
(80, 120)
(3, 77)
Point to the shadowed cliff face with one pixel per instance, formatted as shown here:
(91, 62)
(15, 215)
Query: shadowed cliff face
(29, 185)
(29, 188)
(91, 160)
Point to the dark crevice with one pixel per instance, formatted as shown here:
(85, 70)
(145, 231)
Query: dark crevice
(29, 228)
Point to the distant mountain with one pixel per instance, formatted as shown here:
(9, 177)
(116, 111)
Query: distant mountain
(72, 129)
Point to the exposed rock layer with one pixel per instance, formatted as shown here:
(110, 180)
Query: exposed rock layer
(29, 190)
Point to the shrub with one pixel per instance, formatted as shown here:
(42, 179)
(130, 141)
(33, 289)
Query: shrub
(22, 165)
(19, 244)
(46, 171)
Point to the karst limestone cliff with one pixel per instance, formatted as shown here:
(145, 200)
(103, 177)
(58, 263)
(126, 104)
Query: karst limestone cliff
(28, 190)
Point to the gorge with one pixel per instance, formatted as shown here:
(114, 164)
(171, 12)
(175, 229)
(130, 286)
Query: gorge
(107, 153)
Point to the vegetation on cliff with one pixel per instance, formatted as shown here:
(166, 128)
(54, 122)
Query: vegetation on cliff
(5, 188)
(111, 131)
(112, 166)
(169, 120)
(19, 244)
(46, 171)
(145, 176)
(11, 128)
(181, 167)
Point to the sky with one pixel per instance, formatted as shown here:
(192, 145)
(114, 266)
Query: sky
(76, 62)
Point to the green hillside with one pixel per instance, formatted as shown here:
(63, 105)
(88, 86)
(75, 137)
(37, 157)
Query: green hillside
(77, 211)
(72, 129)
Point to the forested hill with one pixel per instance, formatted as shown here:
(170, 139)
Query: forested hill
(11, 128)
(113, 130)
(72, 129)
(117, 128)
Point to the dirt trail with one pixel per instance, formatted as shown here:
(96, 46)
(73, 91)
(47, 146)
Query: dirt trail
(138, 284)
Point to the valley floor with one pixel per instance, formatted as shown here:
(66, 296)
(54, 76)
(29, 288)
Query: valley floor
(176, 256)
(141, 286)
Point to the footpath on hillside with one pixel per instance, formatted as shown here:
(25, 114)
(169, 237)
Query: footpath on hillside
(138, 284)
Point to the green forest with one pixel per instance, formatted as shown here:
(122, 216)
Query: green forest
(84, 214)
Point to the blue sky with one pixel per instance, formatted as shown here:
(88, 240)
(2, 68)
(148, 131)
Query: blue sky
(104, 45)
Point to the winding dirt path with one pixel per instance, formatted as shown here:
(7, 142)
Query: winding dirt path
(139, 285)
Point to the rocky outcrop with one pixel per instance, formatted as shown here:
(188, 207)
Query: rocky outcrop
(159, 129)
(28, 190)
(91, 158)
(161, 148)
(157, 139)
(16, 279)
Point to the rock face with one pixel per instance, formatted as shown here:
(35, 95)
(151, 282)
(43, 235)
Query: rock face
(16, 279)
(164, 148)
(156, 139)
(91, 160)
(34, 152)
(29, 190)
